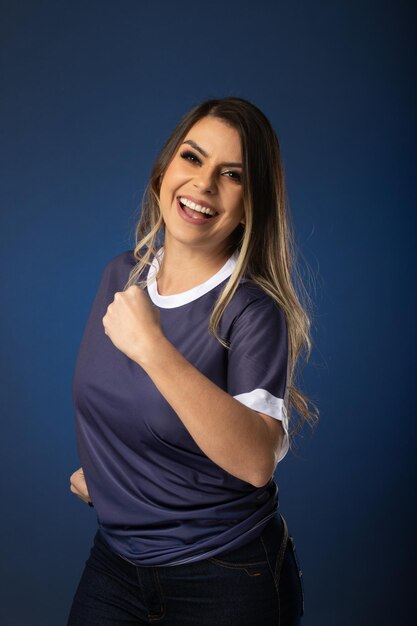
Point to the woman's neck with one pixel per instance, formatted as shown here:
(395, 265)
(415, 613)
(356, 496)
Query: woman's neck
(182, 269)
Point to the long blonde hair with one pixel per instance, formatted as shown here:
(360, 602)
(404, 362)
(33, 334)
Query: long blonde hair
(266, 245)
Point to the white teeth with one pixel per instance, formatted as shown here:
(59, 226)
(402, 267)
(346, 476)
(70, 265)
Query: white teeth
(197, 207)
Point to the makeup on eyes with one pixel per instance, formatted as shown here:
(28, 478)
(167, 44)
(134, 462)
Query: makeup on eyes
(191, 156)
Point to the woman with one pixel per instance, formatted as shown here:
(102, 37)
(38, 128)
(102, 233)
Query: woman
(183, 388)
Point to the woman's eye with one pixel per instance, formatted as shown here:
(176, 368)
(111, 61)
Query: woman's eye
(233, 175)
(187, 155)
(190, 156)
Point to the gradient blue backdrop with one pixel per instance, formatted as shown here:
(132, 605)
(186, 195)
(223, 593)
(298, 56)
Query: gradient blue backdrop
(90, 91)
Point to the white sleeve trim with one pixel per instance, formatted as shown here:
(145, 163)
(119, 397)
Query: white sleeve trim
(262, 401)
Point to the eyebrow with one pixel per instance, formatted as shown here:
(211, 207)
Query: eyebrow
(204, 153)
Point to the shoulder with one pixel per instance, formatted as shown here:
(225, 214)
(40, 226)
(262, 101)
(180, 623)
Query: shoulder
(115, 272)
(123, 260)
(250, 297)
(252, 307)
(120, 265)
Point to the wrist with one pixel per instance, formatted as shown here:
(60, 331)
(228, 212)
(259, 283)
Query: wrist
(151, 349)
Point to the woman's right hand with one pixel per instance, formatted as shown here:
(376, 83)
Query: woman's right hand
(79, 486)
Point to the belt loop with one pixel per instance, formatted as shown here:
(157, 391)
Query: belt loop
(281, 552)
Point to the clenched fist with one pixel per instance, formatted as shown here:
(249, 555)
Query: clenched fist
(132, 323)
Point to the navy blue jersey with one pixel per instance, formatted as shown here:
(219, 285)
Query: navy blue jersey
(159, 499)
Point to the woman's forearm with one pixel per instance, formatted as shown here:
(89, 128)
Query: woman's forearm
(233, 436)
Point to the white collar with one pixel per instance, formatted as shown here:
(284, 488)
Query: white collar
(178, 299)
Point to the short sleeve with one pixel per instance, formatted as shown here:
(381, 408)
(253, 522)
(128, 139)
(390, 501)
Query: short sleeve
(258, 361)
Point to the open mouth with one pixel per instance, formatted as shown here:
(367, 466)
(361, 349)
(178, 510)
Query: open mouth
(196, 211)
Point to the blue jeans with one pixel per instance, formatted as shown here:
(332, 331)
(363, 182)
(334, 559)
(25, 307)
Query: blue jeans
(258, 584)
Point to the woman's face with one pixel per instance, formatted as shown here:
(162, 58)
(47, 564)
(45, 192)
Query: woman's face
(201, 191)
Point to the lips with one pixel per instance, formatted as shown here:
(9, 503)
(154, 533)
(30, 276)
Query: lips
(196, 205)
(193, 217)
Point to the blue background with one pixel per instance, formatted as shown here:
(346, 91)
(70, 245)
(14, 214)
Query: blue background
(90, 91)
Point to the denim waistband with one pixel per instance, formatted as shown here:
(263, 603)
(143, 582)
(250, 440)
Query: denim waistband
(272, 536)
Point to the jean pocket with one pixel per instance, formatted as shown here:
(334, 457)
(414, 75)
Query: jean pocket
(249, 558)
(293, 551)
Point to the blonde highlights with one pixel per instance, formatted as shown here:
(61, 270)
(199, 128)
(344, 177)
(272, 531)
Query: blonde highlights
(266, 246)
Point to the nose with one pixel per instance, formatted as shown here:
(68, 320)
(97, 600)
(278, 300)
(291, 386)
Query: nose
(204, 180)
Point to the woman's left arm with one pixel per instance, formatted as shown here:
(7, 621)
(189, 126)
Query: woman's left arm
(242, 441)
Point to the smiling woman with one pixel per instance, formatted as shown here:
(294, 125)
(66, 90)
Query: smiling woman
(184, 386)
(201, 195)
